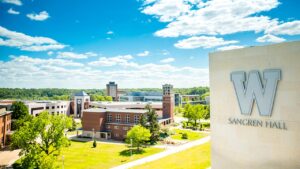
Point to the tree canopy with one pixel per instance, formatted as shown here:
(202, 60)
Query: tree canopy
(19, 110)
(41, 139)
(139, 135)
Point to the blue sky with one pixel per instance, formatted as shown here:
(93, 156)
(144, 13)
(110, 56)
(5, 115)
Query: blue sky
(145, 43)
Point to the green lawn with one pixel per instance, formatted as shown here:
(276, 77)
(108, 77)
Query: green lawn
(193, 158)
(81, 155)
(192, 135)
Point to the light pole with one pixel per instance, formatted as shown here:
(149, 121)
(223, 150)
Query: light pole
(63, 158)
(131, 147)
(93, 134)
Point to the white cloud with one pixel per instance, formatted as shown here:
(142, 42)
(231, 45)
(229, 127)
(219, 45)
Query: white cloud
(13, 12)
(202, 42)
(230, 47)
(270, 38)
(288, 28)
(112, 61)
(49, 53)
(26, 42)
(167, 60)
(166, 10)
(218, 17)
(165, 52)
(24, 71)
(145, 53)
(38, 17)
(110, 32)
(15, 2)
(72, 55)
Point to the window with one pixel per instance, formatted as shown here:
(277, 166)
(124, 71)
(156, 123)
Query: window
(117, 135)
(53, 107)
(109, 117)
(62, 112)
(125, 128)
(136, 119)
(118, 118)
(57, 112)
(57, 106)
(47, 107)
(116, 127)
(127, 118)
(64, 106)
(61, 106)
(108, 126)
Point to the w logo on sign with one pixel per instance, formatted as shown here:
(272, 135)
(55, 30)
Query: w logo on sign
(263, 91)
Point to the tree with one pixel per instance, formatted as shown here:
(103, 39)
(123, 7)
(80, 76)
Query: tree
(143, 120)
(19, 110)
(153, 126)
(139, 135)
(41, 140)
(149, 121)
(187, 112)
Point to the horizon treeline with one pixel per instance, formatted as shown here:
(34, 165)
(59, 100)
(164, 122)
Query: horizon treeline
(66, 94)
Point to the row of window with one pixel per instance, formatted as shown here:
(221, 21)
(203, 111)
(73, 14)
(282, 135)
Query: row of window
(117, 127)
(62, 112)
(53, 107)
(127, 118)
(117, 135)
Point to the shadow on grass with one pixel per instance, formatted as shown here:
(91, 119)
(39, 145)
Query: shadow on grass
(127, 152)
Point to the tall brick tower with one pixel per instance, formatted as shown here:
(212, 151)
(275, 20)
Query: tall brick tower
(168, 102)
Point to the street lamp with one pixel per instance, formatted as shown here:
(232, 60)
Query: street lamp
(131, 147)
(63, 158)
(93, 133)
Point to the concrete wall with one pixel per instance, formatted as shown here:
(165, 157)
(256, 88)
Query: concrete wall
(248, 147)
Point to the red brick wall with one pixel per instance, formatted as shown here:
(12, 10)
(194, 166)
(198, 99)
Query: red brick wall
(94, 121)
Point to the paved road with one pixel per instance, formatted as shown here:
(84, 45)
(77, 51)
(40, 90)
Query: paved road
(8, 157)
(163, 154)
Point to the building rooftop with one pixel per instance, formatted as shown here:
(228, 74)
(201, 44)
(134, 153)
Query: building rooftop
(100, 110)
(82, 93)
(4, 112)
(128, 105)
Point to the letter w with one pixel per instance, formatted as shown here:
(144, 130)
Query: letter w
(253, 89)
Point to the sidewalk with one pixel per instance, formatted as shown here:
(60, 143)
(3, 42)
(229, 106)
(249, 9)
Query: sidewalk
(7, 157)
(163, 154)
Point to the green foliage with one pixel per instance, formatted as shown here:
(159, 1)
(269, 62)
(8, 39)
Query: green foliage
(98, 97)
(139, 135)
(184, 136)
(74, 124)
(143, 120)
(149, 121)
(40, 140)
(44, 94)
(194, 113)
(205, 95)
(19, 110)
(65, 94)
(94, 143)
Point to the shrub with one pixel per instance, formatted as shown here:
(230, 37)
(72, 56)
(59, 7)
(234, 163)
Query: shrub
(184, 136)
(94, 144)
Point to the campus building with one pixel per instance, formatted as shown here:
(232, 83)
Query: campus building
(112, 120)
(255, 115)
(112, 90)
(5, 125)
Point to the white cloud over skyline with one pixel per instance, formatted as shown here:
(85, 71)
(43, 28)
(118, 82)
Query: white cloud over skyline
(14, 2)
(13, 12)
(26, 42)
(38, 17)
(25, 71)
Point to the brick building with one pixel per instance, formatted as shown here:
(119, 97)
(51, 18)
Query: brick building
(5, 125)
(113, 120)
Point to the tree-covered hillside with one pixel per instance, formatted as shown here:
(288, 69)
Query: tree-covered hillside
(66, 94)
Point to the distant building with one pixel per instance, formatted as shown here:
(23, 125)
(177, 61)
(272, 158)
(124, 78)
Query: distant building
(141, 97)
(112, 90)
(113, 119)
(168, 102)
(178, 99)
(80, 102)
(5, 125)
